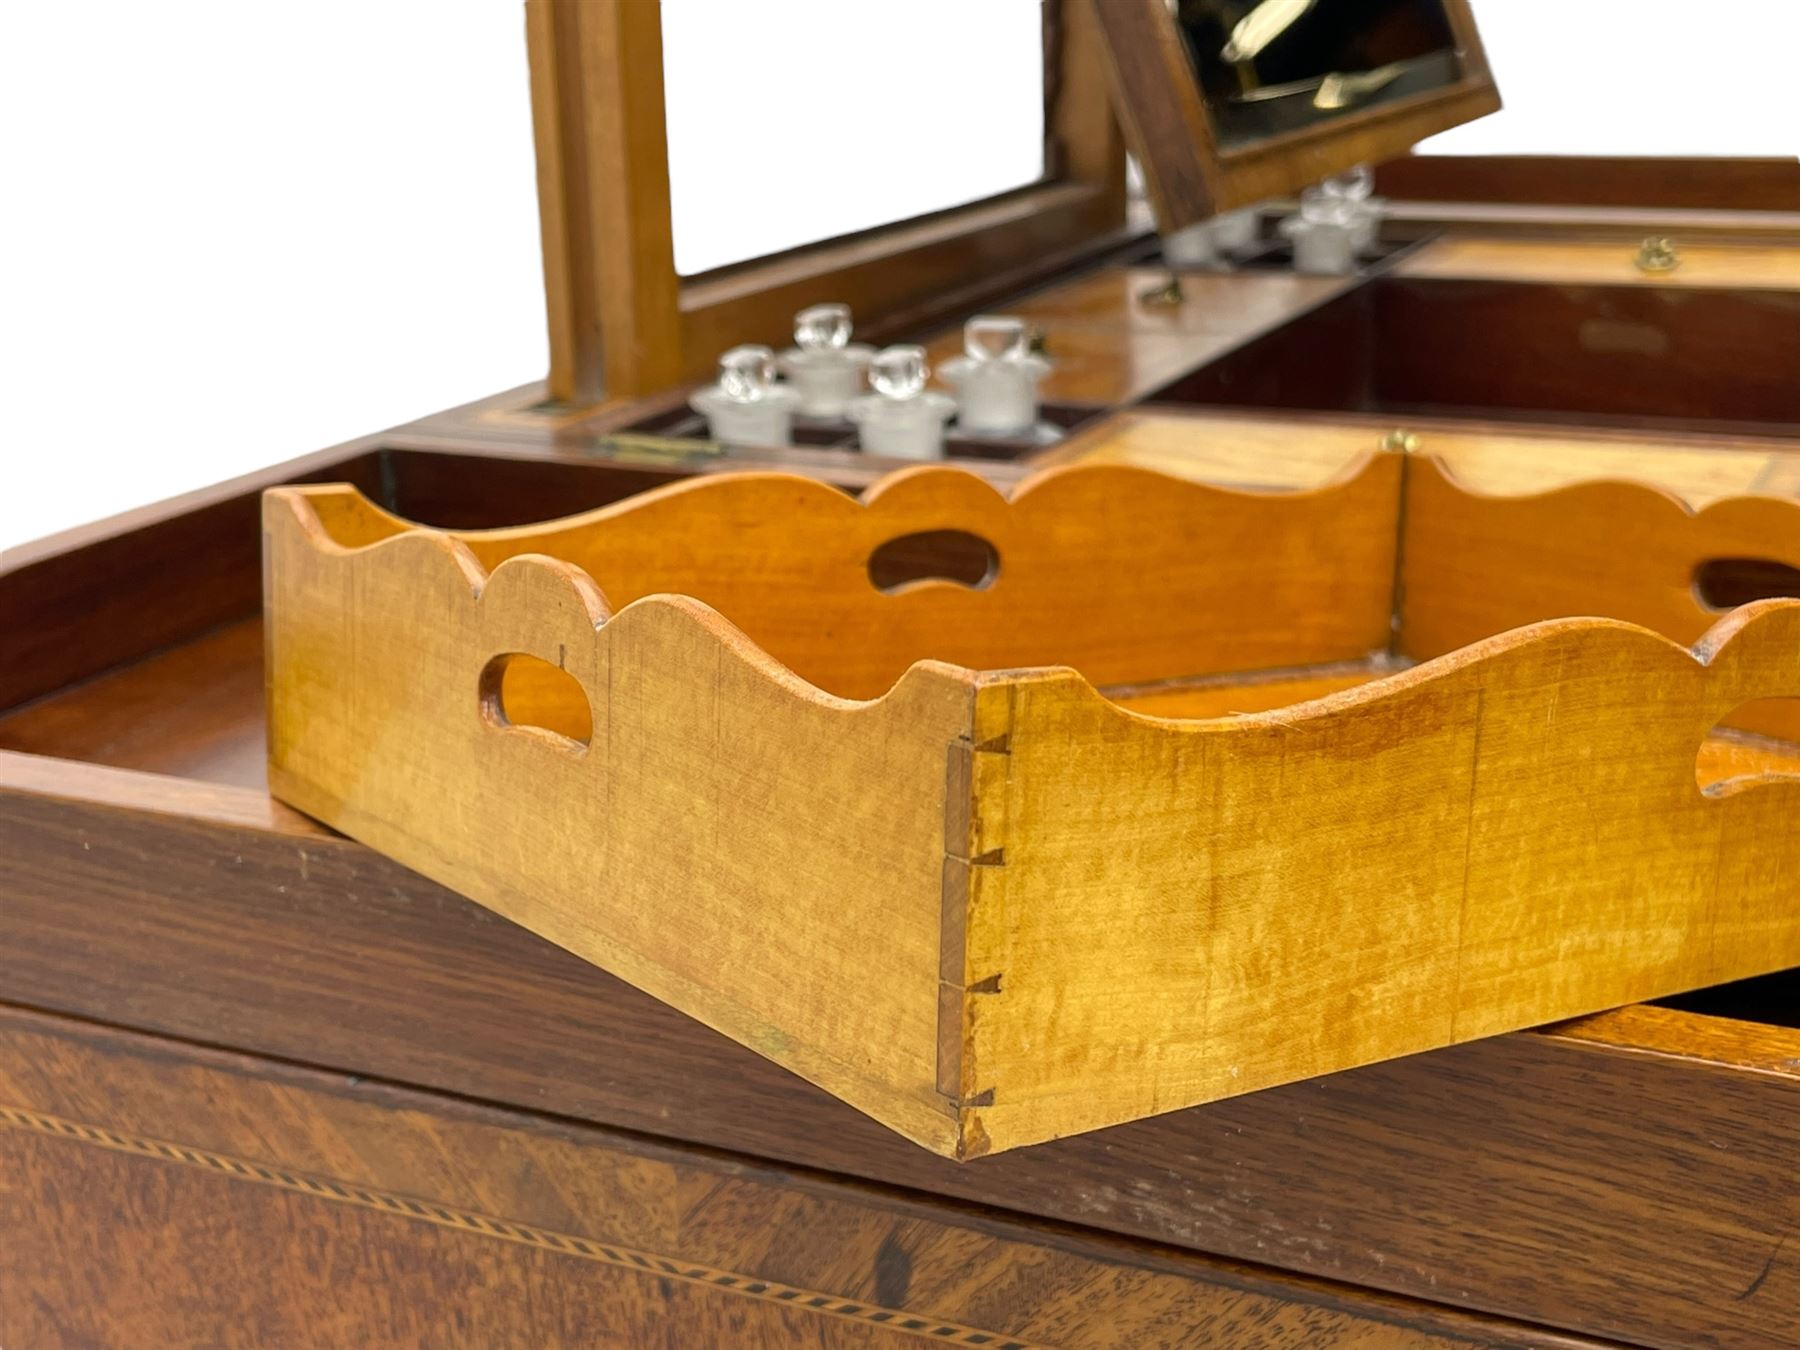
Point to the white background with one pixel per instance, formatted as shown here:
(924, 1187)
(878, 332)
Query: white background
(827, 135)
(233, 231)
(236, 231)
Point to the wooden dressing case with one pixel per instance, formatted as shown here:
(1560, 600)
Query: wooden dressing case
(262, 1085)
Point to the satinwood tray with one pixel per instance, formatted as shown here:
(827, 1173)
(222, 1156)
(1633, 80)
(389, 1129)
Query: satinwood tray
(1005, 820)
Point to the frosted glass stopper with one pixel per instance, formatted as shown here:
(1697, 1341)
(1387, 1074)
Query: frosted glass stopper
(899, 372)
(822, 328)
(1320, 205)
(1354, 185)
(747, 374)
(996, 337)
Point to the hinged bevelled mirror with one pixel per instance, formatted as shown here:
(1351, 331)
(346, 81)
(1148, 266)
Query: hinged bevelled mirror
(1227, 103)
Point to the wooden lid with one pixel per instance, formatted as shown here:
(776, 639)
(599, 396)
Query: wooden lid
(1229, 104)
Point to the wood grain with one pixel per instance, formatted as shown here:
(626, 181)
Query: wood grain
(1628, 1175)
(1474, 565)
(1107, 346)
(1273, 450)
(1228, 304)
(1116, 900)
(1739, 184)
(1234, 695)
(1492, 841)
(1602, 262)
(194, 710)
(1189, 176)
(603, 198)
(148, 1169)
(1703, 359)
(851, 798)
(701, 929)
(1266, 580)
(102, 595)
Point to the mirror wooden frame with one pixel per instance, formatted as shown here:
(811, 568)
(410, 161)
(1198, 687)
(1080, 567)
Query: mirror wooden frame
(623, 323)
(1190, 179)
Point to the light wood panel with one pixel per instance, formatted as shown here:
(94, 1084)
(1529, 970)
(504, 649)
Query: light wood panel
(1192, 910)
(1302, 452)
(1608, 262)
(1237, 694)
(603, 197)
(730, 806)
(1474, 564)
(1089, 560)
(992, 908)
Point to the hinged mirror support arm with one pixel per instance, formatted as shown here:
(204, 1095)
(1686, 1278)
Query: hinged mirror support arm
(603, 197)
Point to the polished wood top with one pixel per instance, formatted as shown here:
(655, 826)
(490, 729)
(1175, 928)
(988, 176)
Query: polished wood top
(1110, 345)
(1611, 262)
(1300, 451)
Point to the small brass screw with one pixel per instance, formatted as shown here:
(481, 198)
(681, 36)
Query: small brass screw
(1400, 439)
(1658, 254)
(1166, 296)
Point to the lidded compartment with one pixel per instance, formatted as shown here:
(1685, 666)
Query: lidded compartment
(1696, 358)
(1008, 820)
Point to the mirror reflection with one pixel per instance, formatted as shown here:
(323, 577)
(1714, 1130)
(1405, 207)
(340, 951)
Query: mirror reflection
(1271, 66)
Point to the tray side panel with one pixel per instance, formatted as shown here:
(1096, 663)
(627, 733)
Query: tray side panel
(765, 859)
(1501, 839)
(1474, 565)
(1122, 574)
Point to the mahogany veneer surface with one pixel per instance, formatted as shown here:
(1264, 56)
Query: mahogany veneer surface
(1693, 358)
(194, 711)
(205, 1198)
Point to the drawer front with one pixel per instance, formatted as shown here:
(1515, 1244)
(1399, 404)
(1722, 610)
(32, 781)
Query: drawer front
(1629, 1177)
(165, 1195)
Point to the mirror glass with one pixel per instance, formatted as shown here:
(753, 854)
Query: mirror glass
(805, 120)
(1267, 67)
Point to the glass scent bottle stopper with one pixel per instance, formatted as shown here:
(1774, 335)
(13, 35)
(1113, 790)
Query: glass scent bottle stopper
(824, 366)
(901, 417)
(1321, 205)
(1353, 185)
(746, 406)
(1325, 232)
(996, 378)
(1353, 194)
